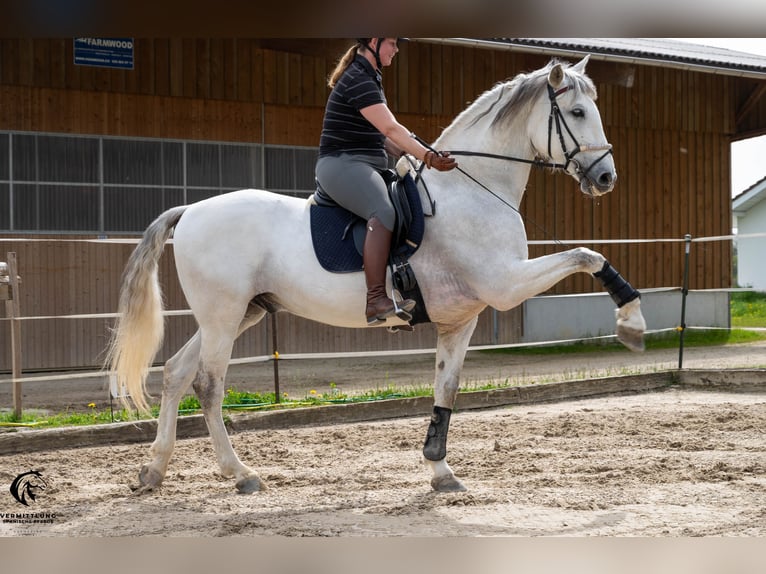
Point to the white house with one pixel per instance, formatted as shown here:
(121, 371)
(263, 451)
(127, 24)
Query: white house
(749, 211)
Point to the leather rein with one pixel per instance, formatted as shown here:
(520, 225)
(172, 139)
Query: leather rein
(557, 118)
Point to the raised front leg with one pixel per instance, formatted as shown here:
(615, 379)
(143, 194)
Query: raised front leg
(450, 354)
(526, 278)
(530, 277)
(630, 321)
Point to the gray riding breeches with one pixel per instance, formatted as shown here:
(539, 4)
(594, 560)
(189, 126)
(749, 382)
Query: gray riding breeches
(354, 182)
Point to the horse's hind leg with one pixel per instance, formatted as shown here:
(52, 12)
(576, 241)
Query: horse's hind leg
(178, 374)
(450, 354)
(180, 370)
(215, 353)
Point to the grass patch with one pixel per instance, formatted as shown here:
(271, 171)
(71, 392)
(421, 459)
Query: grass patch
(667, 340)
(748, 309)
(33, 419)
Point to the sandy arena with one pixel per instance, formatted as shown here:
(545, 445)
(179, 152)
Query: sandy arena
(662, 464)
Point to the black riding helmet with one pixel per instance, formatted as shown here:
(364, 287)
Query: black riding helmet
(365, 42)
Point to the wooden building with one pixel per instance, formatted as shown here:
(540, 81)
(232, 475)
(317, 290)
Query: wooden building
(93, 153)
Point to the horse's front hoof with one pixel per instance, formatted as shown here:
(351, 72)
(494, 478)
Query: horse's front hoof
(447, 484)
(250, 484)
(148, 480)
(633, 339)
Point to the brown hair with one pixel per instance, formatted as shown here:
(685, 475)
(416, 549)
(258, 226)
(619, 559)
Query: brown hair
(342, 64)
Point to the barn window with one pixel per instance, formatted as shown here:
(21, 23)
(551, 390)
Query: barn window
(54, 183)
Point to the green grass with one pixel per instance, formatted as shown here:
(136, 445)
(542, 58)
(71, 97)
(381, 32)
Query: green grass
(35, 419)
(748, 309)
(666, 340)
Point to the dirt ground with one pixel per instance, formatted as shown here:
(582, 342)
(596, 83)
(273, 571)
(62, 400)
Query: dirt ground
(673, 463)
(665, 464)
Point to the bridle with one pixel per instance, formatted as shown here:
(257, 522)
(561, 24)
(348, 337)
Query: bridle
(554, 118)
(557, 117)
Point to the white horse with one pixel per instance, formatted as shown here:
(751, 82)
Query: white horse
(243, 254)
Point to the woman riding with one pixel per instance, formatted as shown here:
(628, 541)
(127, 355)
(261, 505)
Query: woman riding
(357, 132)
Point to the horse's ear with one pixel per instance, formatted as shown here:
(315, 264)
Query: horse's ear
(556, 76)
(579, 67)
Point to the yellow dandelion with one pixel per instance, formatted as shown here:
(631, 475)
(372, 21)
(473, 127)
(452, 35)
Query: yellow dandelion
(92, 405)
(312, 392)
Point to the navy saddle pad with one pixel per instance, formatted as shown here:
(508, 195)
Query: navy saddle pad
(338, 235)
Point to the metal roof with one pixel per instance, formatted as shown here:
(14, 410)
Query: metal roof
(752, 196)
(648, 51)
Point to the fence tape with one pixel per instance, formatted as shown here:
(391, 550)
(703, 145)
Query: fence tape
(188, 312)
(657, 240)
(530, 242)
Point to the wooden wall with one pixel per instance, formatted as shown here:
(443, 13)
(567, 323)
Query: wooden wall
(670, 130)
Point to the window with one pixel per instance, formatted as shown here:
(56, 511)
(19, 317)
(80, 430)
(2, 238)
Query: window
(53, 183)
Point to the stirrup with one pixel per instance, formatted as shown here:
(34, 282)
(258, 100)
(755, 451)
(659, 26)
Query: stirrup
(401, 312)
(397, 328)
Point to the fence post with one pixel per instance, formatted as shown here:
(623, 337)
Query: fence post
(13, 312)
(275, 357)
(684, 293)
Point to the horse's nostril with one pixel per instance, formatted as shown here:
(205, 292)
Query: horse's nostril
(605, 179)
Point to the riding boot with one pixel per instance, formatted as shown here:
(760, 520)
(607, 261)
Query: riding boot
(377, 244)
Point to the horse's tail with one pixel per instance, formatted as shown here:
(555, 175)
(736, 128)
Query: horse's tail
(139, 329)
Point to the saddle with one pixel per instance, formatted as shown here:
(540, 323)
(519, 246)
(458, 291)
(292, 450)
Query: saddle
(338, 236)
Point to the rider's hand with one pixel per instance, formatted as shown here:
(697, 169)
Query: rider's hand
(441, 161)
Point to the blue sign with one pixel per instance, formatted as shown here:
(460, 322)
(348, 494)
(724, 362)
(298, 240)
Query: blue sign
(104, 52)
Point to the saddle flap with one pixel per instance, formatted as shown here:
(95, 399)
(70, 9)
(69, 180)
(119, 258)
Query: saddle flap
(338, 235)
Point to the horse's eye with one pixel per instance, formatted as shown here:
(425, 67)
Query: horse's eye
(578, 113)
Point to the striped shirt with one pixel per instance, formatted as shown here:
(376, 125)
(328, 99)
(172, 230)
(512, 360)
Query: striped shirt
(345, 130)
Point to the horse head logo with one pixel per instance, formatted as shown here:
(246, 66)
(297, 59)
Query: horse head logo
(26, 486)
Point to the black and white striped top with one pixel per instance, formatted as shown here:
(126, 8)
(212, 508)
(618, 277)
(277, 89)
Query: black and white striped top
(345, 130)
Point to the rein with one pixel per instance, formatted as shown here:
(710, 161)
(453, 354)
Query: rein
(556, 117)
(502, 200)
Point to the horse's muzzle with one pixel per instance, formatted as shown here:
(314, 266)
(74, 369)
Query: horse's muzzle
(602, 184)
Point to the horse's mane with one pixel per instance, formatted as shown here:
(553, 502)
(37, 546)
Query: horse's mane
(512, 98)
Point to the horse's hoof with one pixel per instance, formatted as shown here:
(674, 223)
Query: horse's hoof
(148, 480)
(447, 484)
(633, 339)
(250, 484)
(138, 489)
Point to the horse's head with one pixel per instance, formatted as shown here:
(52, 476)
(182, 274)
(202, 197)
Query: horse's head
(549, 115)
(565, 127)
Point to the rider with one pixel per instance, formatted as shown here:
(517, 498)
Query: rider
(357, 132)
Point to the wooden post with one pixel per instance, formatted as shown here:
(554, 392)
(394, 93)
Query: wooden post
(13, 312)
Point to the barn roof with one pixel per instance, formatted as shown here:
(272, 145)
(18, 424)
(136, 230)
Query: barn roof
(648, 51)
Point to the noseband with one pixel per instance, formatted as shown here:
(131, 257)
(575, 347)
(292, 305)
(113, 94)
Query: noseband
(557, 117)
